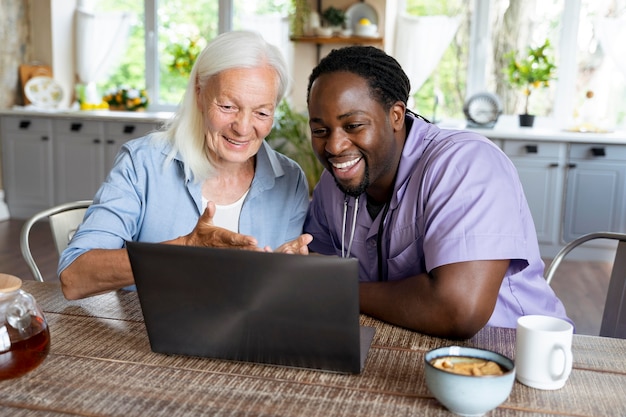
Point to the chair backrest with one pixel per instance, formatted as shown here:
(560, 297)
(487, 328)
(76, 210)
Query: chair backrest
(614, 315)
(64, 220)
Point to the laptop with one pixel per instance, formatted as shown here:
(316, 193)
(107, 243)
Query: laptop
(272, 308)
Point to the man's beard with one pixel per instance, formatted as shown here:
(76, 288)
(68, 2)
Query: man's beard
(359, 189)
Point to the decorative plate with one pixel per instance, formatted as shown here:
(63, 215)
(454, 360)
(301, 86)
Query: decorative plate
(359, 11)
(43, 92)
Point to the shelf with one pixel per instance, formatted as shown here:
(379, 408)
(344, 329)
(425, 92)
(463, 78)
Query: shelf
(318, 41)
(322, 40)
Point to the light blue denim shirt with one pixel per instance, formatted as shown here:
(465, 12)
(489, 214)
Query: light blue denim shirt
(145, 199)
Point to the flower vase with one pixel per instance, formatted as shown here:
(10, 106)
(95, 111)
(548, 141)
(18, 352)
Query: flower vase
(526, 120)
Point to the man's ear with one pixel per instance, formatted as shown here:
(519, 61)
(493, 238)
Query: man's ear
(396, 115)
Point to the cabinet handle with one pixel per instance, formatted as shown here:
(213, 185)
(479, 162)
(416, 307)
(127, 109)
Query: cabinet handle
(44, 138)
(531, 148)
(598, 151)
(553, 165)
(75, 127)
(110, 142)
(129, 129)
(24, 124)
(96, 140)
(571, 165)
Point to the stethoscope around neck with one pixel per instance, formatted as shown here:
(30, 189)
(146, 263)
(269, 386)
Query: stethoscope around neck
(382, 276)
(379, 237)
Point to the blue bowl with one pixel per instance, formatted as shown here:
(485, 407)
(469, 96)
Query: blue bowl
(469, 395)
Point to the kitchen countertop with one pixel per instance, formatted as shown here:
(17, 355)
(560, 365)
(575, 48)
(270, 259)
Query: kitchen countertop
(557, 135)
(137, 116)
(506, 128)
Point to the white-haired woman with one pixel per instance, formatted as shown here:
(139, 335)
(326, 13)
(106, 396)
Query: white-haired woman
(207, 179)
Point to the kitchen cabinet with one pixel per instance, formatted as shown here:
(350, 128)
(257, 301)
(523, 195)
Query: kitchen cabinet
(118, 133)
(85, 152)
(541, 167)
(572, 188)
(48, 160)
(78, 159)
(595, 195)
(27, 159)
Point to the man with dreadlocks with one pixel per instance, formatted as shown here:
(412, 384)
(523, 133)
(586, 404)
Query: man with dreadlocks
(437, 218)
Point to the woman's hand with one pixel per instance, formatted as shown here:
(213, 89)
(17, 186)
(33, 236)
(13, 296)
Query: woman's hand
(207, 234)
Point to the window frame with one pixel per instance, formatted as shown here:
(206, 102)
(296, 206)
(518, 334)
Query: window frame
(480, 35)
(225, 24)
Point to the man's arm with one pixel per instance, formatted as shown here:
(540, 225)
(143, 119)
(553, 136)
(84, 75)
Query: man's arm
(454, 301)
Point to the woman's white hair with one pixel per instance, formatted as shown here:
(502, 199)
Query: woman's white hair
(236, 49)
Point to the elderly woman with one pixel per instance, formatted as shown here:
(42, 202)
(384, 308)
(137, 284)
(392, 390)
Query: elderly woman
(207, 179)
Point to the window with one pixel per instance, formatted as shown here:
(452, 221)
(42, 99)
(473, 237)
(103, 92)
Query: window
(591, 76)
(174, 31)
(589, 81)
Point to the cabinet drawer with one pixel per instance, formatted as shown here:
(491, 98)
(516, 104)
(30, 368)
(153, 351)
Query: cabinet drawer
(26, 124)
(597, 151)
(77, 127)
(128, 130)
(532, 149)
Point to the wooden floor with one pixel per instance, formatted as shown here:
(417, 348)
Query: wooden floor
(581, 286)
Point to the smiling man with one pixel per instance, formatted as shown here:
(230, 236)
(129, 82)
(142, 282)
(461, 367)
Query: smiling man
(437, 218)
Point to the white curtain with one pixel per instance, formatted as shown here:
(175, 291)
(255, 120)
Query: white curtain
(611, 33)
(100, 41)
(420, 43)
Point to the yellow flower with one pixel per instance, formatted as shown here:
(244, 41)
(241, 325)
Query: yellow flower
(127, 98)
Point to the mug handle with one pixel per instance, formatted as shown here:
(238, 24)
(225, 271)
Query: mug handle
(568, 361)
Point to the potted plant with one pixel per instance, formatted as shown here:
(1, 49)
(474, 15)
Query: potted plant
(335, 18)
(531, 71)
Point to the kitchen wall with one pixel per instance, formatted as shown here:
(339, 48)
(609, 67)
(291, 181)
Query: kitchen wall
(305, 54)
(15, 49)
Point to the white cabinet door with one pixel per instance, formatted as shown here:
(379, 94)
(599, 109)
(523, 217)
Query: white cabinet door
(78, 159)
(540, 166)
(595, 195)
(50, 160)
(27, 164)
(118, 133)
(85, 151)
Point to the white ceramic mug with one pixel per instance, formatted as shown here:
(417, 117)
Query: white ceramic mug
(543, 351)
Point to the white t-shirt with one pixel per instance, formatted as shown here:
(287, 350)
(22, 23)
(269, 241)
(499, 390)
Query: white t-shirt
(227, 216)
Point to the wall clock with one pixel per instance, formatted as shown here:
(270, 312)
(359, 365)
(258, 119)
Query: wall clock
(482, 110)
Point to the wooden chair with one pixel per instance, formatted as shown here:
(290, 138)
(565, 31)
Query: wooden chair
(614, 315)
(64, 220)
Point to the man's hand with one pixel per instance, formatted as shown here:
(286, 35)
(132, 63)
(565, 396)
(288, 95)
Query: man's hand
(297, 246)
(207, 234)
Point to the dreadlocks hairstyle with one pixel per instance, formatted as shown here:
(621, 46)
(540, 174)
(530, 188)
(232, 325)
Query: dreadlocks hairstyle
(387, 80)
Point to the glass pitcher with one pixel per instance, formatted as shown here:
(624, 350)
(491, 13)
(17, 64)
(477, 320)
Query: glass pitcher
(24, 334)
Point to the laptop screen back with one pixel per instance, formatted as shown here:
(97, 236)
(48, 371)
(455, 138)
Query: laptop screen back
(288, 310)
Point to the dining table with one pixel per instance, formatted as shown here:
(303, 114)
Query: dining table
(100, 364)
